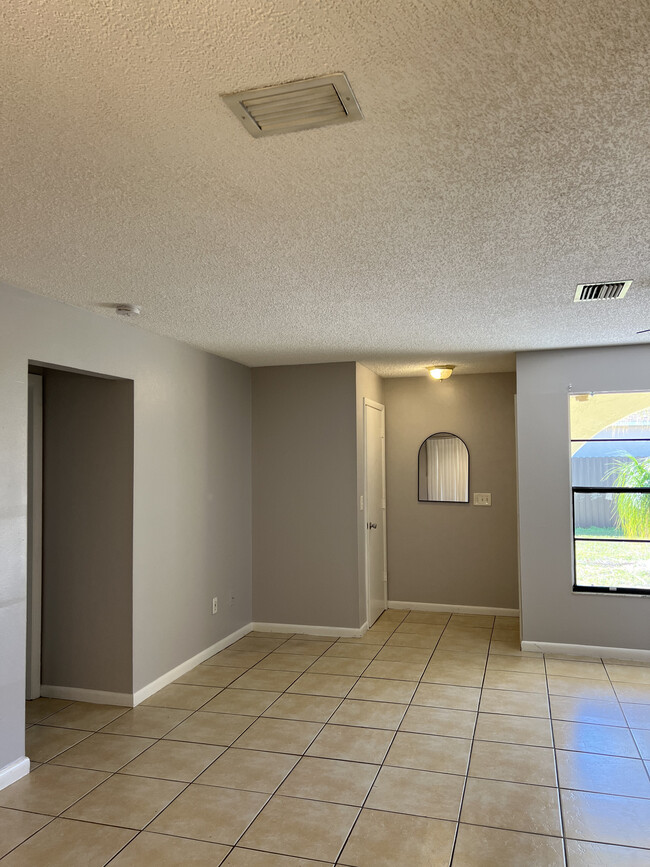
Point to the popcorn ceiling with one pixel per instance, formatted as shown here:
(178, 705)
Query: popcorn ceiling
(502, 160)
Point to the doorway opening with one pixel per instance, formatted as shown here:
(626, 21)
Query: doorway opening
(79, 536)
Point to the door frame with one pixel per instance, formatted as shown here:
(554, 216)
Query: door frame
(382, 409)
(34, 535)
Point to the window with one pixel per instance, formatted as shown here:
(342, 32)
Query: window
(610, 479)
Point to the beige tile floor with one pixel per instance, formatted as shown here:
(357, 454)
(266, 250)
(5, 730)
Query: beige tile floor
(431, 741)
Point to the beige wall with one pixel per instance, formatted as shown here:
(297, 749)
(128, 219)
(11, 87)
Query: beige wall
(551, 611)
(87, 610)
(305, 558)
(452, 553)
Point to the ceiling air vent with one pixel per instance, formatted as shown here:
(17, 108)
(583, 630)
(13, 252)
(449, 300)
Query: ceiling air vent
(601, 291)
(295, 106)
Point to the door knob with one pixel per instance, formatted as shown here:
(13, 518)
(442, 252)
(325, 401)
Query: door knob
(372, 526)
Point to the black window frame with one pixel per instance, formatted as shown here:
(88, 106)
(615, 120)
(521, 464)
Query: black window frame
(582, 489)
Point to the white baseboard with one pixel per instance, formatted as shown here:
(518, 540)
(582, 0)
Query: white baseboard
(455, 609)
(587, 650)
(93, 696)
(170, 676)
(14, 771)
(331, 631)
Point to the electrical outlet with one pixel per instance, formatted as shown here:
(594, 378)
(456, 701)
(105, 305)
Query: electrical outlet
(482, 499)
(214, 605)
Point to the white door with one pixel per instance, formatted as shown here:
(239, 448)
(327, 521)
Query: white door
(34, 532)
(375, 508)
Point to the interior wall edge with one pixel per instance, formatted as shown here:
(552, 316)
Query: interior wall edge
(629, 653)
(14, 771)
(297, 629)
(455, 609)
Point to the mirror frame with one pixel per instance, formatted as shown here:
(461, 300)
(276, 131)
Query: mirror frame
(454, 502)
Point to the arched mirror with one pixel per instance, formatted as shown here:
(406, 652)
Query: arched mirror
(443, 469)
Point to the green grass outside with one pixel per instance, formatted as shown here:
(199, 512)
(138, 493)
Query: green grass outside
(597, 532)
(612, 564)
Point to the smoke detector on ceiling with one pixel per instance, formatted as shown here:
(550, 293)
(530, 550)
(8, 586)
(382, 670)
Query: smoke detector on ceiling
(294, 106)
(602, 291)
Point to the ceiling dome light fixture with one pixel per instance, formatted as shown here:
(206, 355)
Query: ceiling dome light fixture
(127, 310)
(441, 371)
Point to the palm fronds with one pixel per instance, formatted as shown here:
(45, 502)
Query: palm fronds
(633, 508)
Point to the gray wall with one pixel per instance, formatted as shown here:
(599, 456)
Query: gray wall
(551, 611)
(192, 486)
(305, 558)
(371, 386)
(452, 553)
(87, 637)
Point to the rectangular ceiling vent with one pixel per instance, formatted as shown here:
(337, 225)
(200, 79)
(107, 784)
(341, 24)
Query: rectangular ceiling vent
(601, 291)
(295, 106)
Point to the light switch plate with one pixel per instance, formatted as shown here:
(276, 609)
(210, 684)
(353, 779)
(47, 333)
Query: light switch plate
(482, 499)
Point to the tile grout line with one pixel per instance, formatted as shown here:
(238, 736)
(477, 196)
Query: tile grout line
(565, 852)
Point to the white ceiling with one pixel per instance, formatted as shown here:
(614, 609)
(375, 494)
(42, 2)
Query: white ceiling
(503, 158)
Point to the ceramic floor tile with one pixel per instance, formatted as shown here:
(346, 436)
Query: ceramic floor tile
(502, 701)
(473, 620)
(610, 775)
(372, 689)
(512, 806)
(637, 715)
(430, 618)
(354, 744)
(518, 681)
(395, 670)
(64, 843)
(382, 839)
(101, 752)
(182, 696)
(580, 687)
(312, 648)
(338, 665)
(310, 708)
(409, 655)
(586, 710)
(453, 673)
(441, 695)
(429, 753)
(278, 661)
(236, 659)
(629, 673)
(409, 639)
(513, 762)
(240, 857)
(428, 629)
(304, 829)
(606, 818)
(249, 770)
(338, 782)
(15, 827)
(221, 729)
(257, 645)
(475, 661)
(267, 680)
(211, 675)
(130, 802)
(208, 813)
(50, 789)
(642, 739)
(347, 650)
(169, 760)
(583, 737)
(279, 735)
(583, 854)
(493, 847)
(439, 721)
(160, 850)
(570, 668)
(334, 685)
(509, 729)
(497, 662)
(371, 714)
(249, 702)
(43, 742)
(418, 793)
(38, 709)
(147, 722)
(635, 693)
(89, 717)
